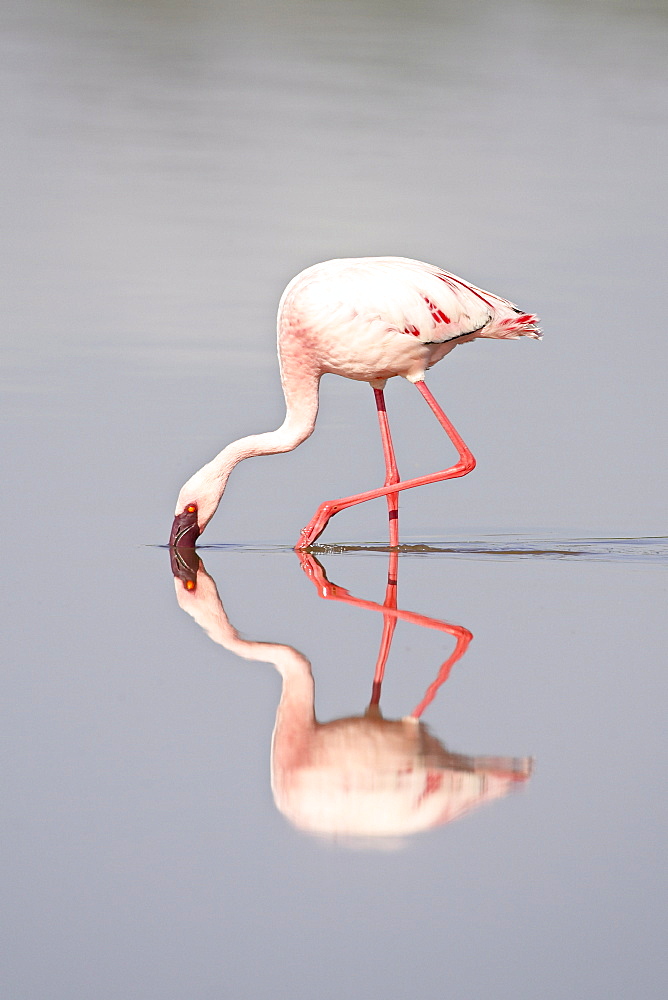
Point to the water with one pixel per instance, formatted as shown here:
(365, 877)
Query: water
(651, 550)
(167, 168)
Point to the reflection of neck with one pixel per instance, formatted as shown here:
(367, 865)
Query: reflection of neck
(295, 717)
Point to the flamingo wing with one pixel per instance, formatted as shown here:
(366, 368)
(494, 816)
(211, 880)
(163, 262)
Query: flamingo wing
(408, 296)
(432, 304)
(436, 306)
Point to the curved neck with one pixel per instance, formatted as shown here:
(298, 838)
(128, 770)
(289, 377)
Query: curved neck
(206, 487)
(301, 403)
(295, 717)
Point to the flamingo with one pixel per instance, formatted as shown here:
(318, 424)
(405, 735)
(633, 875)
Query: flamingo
(368, 319)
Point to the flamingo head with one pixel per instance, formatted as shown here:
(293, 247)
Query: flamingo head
(185, 529)
(196, 505)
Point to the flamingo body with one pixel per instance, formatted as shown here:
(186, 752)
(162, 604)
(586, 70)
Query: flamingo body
(368, 319)
(371, 318)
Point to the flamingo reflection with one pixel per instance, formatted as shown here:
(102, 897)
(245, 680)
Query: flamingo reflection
(360, 776)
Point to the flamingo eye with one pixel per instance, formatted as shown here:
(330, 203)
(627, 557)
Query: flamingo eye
(191, 508)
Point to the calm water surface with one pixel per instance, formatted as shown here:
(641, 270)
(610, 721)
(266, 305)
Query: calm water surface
(168, 167)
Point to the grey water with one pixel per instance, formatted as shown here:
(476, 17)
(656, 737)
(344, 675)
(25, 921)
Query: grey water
(167, 167)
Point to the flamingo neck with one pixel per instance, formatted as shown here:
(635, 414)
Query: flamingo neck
(301, 412)
(207, 486)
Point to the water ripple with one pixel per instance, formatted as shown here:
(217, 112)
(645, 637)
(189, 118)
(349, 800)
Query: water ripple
(646, 549)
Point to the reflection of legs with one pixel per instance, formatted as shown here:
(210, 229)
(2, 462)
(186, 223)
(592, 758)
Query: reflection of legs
(466, 464)
(332, 592)
(463, 637)
(389, 625)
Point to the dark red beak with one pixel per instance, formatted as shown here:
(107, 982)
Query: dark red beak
(185, 530)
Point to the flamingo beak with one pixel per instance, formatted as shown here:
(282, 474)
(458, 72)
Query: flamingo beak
(185, 529)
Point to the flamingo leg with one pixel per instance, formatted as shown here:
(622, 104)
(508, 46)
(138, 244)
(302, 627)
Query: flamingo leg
(391, 470)
(466, 464)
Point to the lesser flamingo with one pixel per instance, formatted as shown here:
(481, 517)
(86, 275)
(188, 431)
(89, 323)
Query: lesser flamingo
(369, 319)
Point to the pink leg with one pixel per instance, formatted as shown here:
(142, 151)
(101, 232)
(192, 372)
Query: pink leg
(391, 470)
(466, 464)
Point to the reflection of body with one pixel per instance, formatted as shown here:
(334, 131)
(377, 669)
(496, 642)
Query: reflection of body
(362, 775)
(369, 776)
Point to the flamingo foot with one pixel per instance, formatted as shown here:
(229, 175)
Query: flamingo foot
(317, 524)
